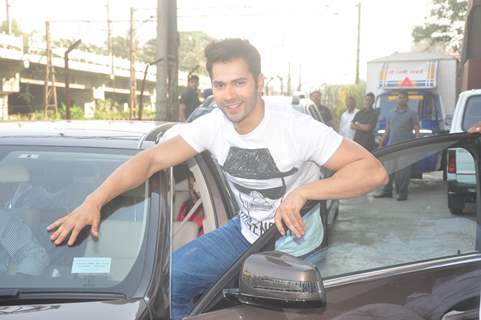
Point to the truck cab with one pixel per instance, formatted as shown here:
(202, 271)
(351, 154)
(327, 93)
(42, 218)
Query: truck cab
(427, 104)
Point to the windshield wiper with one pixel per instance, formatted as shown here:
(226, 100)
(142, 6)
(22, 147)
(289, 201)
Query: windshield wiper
(59, 295)
(9, 293)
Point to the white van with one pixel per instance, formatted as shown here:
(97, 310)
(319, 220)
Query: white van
(460, 165)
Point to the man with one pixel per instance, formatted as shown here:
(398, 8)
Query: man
(323, 110)
(364, 123)
(262, 152)
(400, 125)
(190, 99)
(346, 119)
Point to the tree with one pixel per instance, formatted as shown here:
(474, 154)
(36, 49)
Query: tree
(191, 51)
(16, 30)
(121, 47)
(444, 27)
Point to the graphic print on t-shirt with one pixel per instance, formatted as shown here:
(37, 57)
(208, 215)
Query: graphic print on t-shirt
(259, 185)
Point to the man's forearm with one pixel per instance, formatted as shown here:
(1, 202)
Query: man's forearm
(355, 179)
(126, 177)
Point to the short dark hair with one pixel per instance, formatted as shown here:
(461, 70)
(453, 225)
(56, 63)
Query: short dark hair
(193, 77)
(370, 94)
(403, 93)
(229, 49)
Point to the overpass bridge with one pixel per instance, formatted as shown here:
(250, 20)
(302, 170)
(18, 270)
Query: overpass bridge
(92, 77)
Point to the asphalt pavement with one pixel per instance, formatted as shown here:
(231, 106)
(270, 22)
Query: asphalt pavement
(372, 232)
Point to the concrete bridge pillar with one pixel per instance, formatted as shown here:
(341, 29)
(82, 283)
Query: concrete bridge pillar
(8, 84)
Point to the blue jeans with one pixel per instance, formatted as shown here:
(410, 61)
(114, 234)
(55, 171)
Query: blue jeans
(198, 264)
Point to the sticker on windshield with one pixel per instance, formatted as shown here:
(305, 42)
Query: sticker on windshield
(28, 156)
(91, 265)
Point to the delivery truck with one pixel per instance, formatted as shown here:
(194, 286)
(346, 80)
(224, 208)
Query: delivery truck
(430, 80)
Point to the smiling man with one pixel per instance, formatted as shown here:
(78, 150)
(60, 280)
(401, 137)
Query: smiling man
(266, 154)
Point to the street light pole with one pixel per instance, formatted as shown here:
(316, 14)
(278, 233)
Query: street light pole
(358, 41)
(141, 99)
(9, 22)
(68, 102)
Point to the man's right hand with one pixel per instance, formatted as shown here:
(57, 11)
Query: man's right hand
(87, 214)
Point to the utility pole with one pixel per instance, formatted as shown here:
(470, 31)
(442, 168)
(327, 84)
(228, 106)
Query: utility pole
(172, 54)
(161, 104)
(109, 41)
(68, 100)
(358, 52)
(133, 87)
(49, 85)
(9, 22)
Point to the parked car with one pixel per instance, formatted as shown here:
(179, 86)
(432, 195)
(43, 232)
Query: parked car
(461, 175)
(47, 168)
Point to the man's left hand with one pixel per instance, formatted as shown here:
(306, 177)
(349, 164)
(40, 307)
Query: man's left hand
(289, 212)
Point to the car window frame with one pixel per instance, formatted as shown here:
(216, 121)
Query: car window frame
(471, 142)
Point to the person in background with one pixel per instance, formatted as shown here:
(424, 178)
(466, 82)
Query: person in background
(400, 125)
(323, 110)
(190, 98)
(364, 123)
(346, 119)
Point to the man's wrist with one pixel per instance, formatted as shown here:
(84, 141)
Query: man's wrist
(95, 200)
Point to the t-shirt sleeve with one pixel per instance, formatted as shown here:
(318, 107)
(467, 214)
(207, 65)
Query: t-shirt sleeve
(184, 98)
(315, 141)
(373, 120)
(201, 133)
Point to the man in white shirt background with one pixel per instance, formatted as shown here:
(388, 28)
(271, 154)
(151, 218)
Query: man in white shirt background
(346, 119)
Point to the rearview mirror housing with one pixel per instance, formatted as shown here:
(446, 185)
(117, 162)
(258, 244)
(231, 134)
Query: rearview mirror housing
(276, 279)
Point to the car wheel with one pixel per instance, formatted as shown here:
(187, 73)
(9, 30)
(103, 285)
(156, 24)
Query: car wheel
(455, 204)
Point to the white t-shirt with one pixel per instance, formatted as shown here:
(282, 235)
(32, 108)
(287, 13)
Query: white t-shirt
(345, 125)
(264, 165)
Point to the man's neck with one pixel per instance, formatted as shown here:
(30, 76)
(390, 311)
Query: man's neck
(253, 120)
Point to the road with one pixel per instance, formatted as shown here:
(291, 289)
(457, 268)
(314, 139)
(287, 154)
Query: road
(371, 232)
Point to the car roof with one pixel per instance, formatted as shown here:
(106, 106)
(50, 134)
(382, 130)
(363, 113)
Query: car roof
(83, 133)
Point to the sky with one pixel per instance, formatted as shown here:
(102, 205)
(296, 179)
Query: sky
(316, 38)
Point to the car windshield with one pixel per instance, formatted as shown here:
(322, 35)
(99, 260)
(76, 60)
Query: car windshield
(39, 185)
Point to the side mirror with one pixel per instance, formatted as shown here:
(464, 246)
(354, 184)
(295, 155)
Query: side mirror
(276, 279)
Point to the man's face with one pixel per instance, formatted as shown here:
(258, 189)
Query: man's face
(235, 90)
(402, 100)
(316, 98)
(350, 103)
(194, 84)
(369, 101)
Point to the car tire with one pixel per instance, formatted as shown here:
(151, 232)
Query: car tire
(456, 204)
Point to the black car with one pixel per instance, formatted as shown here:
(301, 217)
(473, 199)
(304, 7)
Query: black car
(382, 261)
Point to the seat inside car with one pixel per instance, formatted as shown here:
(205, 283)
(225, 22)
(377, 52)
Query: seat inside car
(121, 234)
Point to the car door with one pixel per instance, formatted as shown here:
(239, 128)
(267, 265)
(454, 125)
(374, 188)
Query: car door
(385, 256)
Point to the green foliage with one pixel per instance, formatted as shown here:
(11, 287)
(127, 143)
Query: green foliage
(444, 27)
(16, 30)
(109, 110)
(191, 51)
(335, 97)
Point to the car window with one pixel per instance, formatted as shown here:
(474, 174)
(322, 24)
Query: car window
(472, 112)
(41, 184)
(374, 232)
